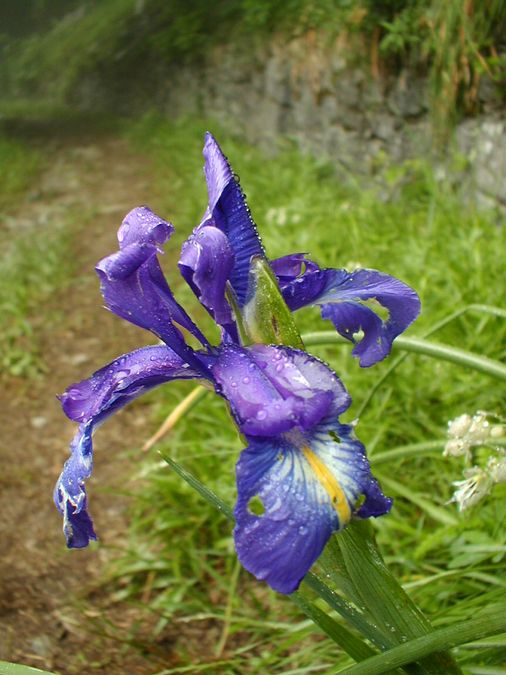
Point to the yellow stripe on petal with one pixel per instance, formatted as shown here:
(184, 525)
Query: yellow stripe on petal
(330, 484)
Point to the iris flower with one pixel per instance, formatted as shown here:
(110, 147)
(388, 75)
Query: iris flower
(308, 469)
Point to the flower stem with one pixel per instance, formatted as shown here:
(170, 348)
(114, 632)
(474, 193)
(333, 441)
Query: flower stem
(432, 349)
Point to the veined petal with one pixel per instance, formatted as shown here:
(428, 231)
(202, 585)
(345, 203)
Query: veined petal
(90, 402)
(272, 389)
(134, 287)
(308, 484)
(340, 294)
(229, 212)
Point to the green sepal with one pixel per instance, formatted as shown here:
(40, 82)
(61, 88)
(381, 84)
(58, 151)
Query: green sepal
(265, 318)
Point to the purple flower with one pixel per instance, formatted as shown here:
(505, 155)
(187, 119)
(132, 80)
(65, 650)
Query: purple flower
(305, 469)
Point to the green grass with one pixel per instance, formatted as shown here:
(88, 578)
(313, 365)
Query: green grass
(426, 234)
(19, 164)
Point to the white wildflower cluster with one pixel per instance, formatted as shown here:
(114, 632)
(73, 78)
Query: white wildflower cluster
(465, 433)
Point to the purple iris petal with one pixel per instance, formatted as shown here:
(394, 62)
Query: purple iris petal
(308, 484)
(206, 262)
(330, 287)
(228, 211)
(134, 287)
(272, 389)
(92, 401)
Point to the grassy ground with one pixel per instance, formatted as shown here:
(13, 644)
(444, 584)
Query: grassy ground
(181, 561)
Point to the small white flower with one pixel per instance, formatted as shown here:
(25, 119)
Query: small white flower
(458, 427)
(470, 491)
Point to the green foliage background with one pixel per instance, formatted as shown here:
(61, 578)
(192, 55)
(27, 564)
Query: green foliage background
(116, 41)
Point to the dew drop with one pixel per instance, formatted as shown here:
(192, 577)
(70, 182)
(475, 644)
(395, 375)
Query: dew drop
(245, 380)
(302, 530)
(261, 415)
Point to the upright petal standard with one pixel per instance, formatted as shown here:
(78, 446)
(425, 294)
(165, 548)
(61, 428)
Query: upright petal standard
(303, 474)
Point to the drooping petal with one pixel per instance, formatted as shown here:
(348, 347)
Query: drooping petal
(340, 294)
(272, 389)
(90, 402)
(134, 287)
(308, 484)
(206, 263)
(70, 493)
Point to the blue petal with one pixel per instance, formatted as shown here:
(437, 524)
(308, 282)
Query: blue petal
(90, 402)
(309, 485)
(329, 288)
(135, 288)
(272, 389)
(229, 212)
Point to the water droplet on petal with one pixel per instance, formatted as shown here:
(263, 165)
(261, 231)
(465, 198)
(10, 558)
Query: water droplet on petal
(261, 415)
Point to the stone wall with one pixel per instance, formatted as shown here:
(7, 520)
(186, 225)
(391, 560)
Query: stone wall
(309, 91)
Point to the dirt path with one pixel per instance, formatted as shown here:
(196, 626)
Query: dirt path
(49, 596)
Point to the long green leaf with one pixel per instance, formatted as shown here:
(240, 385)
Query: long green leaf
(346, 610)
(390, 606)
(491, 623)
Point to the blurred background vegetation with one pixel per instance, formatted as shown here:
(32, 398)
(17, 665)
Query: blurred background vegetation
(48, 46)
(177, 562)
